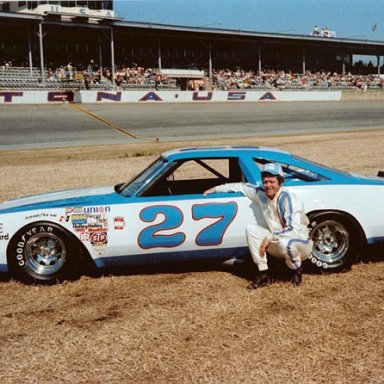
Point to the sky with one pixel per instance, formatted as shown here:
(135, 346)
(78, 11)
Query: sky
(354, 19)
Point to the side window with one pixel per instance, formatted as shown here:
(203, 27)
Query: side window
(194, 176)
(293, 173)
(202, 170)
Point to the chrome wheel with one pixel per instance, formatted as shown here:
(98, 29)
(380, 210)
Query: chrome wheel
(330, 242)
(45, 253)
(338, 241)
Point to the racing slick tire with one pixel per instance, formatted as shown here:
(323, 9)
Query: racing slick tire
(44, 252)
(338, 241)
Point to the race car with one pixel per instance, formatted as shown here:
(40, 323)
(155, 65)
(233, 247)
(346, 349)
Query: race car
(162, 215)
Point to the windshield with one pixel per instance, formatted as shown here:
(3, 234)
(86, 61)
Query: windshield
(134, 185)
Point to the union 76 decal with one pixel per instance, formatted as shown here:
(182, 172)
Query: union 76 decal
(154, 236)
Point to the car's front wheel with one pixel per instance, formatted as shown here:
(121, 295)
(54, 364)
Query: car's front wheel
(44, 252)
(337, 241)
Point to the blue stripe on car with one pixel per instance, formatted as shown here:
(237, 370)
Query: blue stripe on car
(146, 258)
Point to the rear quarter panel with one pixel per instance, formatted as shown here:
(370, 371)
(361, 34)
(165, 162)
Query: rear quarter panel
(363, 202)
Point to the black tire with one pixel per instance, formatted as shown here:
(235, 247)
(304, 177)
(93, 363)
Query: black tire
(44, 252)
(338, 241)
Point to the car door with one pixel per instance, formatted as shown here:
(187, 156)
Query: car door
(172, 219)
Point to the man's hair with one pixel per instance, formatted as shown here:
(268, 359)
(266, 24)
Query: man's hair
(280, 179)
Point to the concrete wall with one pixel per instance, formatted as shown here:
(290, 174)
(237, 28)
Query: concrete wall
(153, 96)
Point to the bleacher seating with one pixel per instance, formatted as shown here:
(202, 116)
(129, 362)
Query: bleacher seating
(24, 78)
(21, 78)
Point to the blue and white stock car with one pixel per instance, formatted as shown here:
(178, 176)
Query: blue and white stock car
(162, 215)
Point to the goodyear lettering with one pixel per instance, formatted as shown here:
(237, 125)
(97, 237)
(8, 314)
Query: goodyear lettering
(23, 239)
(20, 253)
(318, 263)
(38, 215)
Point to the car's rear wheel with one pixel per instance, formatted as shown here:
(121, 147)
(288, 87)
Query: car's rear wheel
(338, 241)
(44, 252)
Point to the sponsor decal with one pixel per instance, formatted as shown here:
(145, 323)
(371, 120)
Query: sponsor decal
(97, 209)
(68, 211)
(40, 215)
(84, 236)
(87, 220)
(119, 223)
(98, 238)
(79, 222)
(99, 241)
(3, 236)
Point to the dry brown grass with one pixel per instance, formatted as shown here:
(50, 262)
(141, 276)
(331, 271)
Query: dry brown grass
(187, 324)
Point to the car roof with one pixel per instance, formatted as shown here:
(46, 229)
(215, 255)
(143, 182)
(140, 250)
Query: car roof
(220, 151)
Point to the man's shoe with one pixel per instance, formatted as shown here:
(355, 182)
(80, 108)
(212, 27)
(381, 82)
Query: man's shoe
(261, 280)
(297, 277)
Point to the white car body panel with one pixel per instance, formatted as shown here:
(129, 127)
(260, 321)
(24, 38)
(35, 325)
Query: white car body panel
(117, 230)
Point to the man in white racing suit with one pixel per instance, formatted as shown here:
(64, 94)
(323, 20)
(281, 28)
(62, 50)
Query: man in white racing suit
(287, 235)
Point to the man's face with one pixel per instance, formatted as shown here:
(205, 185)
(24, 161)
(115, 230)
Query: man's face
(271, 186)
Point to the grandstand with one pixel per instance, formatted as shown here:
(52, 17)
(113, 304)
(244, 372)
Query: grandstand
(77, 44)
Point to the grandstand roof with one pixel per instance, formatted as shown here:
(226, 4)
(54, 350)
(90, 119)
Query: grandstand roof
(368, 47)
(351, 46)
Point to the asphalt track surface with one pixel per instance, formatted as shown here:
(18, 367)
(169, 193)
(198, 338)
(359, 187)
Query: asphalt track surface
(65, 125)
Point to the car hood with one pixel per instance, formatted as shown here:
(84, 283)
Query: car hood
(68, 198)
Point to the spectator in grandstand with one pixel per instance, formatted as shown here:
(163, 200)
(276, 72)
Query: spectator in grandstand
(69, 71)
(86, 82)
(316, 31)
(136, 76)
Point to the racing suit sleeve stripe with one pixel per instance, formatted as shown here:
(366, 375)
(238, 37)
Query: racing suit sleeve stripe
(285, 212)
(280, 209)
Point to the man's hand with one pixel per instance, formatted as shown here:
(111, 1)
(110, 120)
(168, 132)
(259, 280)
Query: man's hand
(263, 247)
(210, 190)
